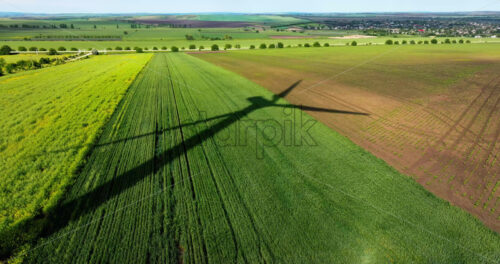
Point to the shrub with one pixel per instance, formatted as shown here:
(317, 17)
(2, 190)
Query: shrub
(252, 46)
(447, 41)
(272, 46)
(280, 45)
(61, 49)
(118, 48)
(174, 49)
(109, 49)
(52, 52)
(238, 46)
(128, 48)
(396, 42)
(316, 44)
(454, 41)
(10, 67)
(215, 47)
(426, 42)
(139, 50)
(307, 45)
(155, 48)
(404, 42)
(22, 48)
(263, 46)
(42, 49)
(228, 46)
(44, 60)
(5, 50)
(389, 42)
(74, 49)
(468, 41)
(461, 41)
(354, 43)
(413, 42)
(300, 45)
(201, 48)
(33, 49)
(326, 45)
(434, 41)
(163, 48)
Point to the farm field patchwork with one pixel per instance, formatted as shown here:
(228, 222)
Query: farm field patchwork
(49, 120)
(434, 110)
(190, 169)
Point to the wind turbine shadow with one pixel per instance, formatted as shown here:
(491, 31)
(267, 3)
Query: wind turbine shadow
(69, 210)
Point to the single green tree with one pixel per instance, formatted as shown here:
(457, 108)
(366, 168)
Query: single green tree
(263, 46)
(272, 46)
(326, 45)
(215, 47)
(155, 48)
(52, 52)
(22, 48)
(174, 49)
(252, 46)
(461, 41)
(389, 42)
(307, 45)
(118, 48)
(33, 49)
(280, 45)
(434, 41)
(316, 44)
(139, 50)
(228, 46)
(192, 47)
(354, 43)
(61, 49)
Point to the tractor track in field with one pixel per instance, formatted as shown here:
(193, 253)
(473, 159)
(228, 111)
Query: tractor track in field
(193, 192)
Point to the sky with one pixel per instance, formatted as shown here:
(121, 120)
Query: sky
(244, 6)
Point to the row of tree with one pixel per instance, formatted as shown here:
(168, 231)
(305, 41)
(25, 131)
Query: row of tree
(433, 41)
(24, 65)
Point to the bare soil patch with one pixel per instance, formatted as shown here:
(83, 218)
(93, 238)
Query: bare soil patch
(196, 23)
(353, 37)
(448, 142)
(292, 37)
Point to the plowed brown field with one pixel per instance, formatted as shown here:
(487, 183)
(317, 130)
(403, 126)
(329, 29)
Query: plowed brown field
(434, 111)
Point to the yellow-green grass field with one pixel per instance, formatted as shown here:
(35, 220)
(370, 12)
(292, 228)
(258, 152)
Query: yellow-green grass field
(49, 120)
